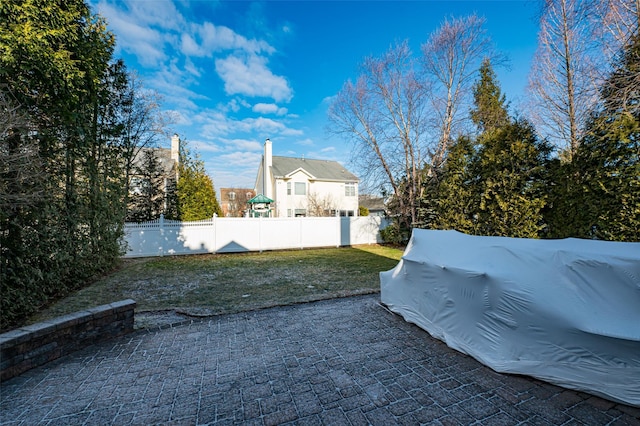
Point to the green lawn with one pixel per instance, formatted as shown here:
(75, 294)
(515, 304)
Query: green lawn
(225, 283)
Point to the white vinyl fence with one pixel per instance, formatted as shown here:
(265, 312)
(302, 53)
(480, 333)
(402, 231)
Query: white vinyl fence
(226, 235)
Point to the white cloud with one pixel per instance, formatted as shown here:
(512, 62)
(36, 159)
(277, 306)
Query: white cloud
(328, 149)
(237, 144)
(292, 132)
(236, 104)
(174, 84)
(249, 76)
(180, 118)
(232, 178)
(223, 38)
(261, 124)
(215, 124)
(328, 100)
(234, 169)
(178, 59)
(139, 39)
(241, 158)
(159, 13)
(263, 108)
(189, 47)
(305, 142)
(203, 40)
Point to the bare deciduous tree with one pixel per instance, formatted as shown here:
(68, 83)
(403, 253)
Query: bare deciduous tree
(135, 118)
(388, 113)
(564, 77)
(615, 22)
(451, 59)
(141, 117)
(319, 206)
(382, 114)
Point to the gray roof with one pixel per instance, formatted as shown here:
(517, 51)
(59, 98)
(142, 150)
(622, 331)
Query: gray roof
(319, 169)
(162, 154)
(371, 202)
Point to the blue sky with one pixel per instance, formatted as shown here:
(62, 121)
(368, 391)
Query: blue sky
(237, 72)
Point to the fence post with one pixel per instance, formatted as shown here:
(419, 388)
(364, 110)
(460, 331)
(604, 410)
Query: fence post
(162, 239)
(214, 228)
(260, 234)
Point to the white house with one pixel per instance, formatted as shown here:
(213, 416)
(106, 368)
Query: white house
(306, 187)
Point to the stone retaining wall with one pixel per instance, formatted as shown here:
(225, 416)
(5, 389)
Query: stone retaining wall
(33, 345)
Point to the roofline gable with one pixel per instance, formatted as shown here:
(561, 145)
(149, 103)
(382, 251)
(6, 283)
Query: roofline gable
(300, 169)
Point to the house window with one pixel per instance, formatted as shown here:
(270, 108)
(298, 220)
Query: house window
(139, 185)
(289, 214)
(350, 189)
(300, 212)
(288, 188)
(301, 188)
(249, 195)
(232, 196)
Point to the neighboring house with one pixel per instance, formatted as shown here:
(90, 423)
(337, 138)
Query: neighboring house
(167, 160)
(154, 175)
(233, 201)
(305, 187)
(375, 205)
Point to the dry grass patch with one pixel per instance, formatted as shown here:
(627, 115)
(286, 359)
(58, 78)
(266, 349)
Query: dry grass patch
(226, 283)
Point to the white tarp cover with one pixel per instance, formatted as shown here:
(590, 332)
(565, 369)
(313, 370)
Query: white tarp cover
(565, 311)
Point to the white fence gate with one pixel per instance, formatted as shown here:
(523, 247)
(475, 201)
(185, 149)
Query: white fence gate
(226, 235)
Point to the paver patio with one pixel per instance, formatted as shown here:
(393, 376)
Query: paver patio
(343, 361)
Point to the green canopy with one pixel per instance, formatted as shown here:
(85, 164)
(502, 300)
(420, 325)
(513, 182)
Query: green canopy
(260, 199)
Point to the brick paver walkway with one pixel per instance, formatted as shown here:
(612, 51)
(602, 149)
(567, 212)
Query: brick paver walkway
(345, 361)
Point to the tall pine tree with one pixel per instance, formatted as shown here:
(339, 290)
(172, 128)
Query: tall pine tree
(607, 163)
(494, 185)
(490, 103)
(147, 199)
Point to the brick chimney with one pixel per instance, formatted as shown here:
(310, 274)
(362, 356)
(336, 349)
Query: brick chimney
(175, 148)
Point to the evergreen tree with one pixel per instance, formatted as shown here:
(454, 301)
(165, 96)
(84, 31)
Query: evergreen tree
(147, 198)
(563, 213)
(512, 164)
(490, 110)
(607, 163)
(490, 186)
(196, 195)
(427, 206)
(172, 206)
(55, 59)
(458, 200)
